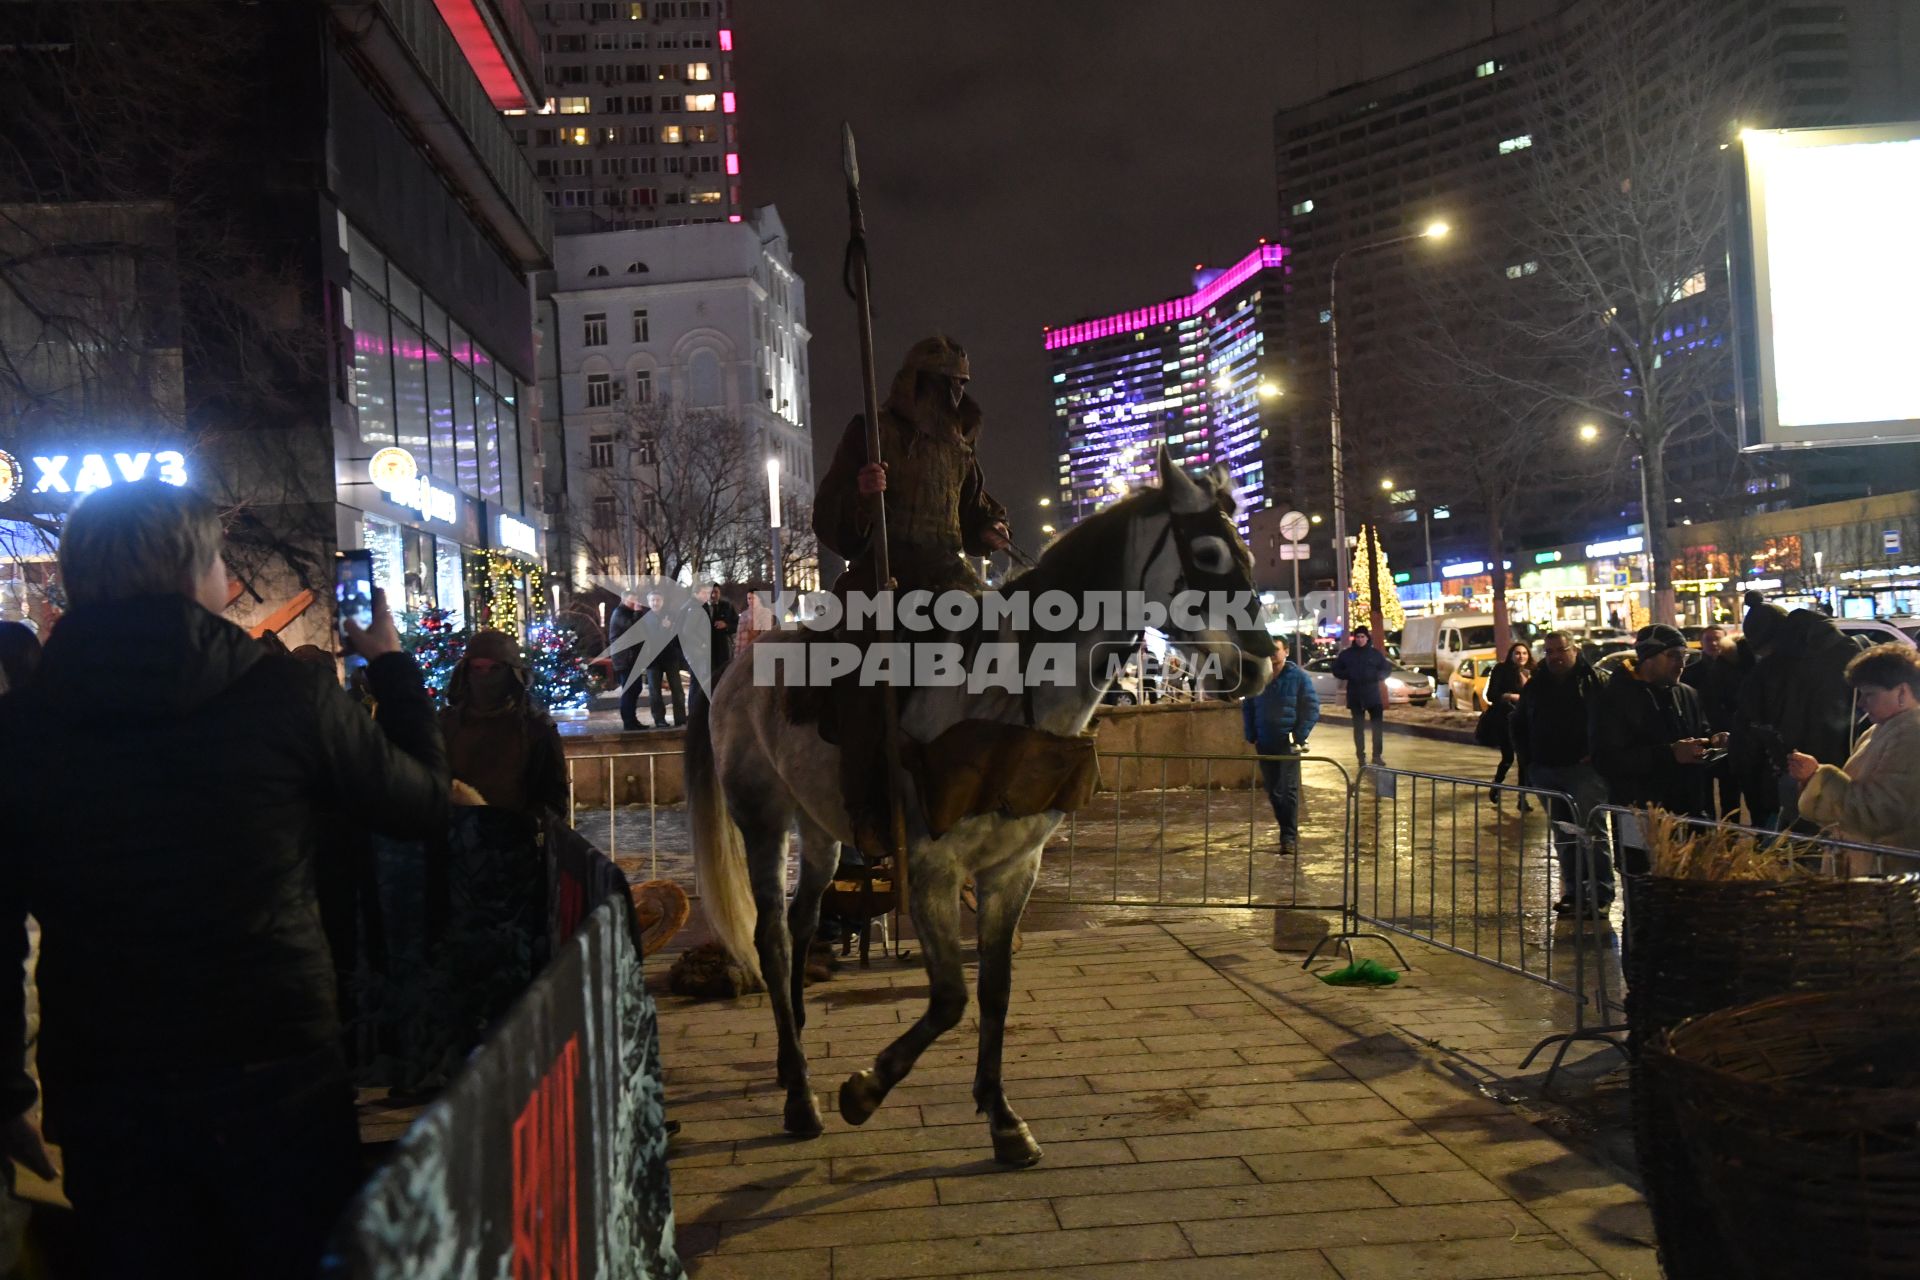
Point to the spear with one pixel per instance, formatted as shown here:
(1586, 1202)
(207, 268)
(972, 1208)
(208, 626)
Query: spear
(859, 287)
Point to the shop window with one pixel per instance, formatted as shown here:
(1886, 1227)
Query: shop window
(382, 539)
(466, 465)
(450, 581)
(418, 569)
(372, 369)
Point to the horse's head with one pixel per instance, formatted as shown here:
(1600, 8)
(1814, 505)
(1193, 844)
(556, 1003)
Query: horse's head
(1197, 565)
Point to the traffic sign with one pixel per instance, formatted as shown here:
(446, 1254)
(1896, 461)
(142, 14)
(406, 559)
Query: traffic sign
(1890, 541)
(1294, 526)
(1295, 551)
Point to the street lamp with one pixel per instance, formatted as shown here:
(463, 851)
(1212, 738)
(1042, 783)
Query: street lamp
(1271, 391)
(1433, 231)
(778, 570)
(1046, 502)
(1387, 484)
(1589, 432)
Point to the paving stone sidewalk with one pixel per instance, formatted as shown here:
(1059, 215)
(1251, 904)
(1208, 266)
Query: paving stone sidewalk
(1208, 1109)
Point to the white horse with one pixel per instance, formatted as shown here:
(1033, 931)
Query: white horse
(752, 774)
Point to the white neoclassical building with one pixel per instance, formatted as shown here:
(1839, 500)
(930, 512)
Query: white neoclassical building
(707, 322)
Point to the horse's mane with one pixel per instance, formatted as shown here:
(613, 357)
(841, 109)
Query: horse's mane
(1084, 557)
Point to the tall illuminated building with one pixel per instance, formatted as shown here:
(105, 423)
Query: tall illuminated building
(635, 125)
(1197, 372)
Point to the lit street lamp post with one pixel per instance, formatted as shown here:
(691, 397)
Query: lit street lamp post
(1342, 573)
(777, 570)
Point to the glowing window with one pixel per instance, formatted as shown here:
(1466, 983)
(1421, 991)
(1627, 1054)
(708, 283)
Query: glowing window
(1486, 69)
(1305, 206)
(699, 71)
(575, 106)
(702, 102)
(1519, 142)
(573, 137)
(670, 133)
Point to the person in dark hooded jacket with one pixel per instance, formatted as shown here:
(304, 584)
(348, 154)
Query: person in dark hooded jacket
(1647, 732)
(161, 777)
(1795, 700)
(499, 742)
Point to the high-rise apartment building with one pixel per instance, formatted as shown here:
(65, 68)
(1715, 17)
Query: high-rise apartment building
(1198, 373)
(636, 126)
(1450, 138)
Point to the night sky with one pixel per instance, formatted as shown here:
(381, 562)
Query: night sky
(1033, 162)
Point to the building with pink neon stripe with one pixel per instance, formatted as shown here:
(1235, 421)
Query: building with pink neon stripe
(1200, 373)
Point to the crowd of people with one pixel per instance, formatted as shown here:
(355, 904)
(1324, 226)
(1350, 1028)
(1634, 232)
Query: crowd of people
(708, 609)
(178, 795)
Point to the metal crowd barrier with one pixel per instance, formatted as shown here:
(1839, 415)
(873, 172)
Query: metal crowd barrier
(1439, 859)
(651, 785)
(1178, 829)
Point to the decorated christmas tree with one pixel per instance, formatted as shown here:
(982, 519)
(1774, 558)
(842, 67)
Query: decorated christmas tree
(435, 644)
(559, 662)
(1379, 588)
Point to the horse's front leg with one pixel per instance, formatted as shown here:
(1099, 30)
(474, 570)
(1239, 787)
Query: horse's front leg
(934, 885)
(1003, 899)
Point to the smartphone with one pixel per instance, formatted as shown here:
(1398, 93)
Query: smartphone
(353, 588)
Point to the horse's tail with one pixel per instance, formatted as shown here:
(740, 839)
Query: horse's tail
(719, 855)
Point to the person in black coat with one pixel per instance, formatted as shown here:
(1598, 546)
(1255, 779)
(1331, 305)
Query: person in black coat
(1365, 669)
(1718, 675)
(1503, 696)
(163, 776)
(1796, 699)
(500, 741)
(1647, 732)
(1551, 731)
(665, 666)
(619, 622)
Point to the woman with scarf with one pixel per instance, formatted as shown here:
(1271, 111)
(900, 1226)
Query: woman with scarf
(499, 741)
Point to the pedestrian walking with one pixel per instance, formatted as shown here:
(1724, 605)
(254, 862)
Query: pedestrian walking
(1509, 677)
(1875, 797)
(1550, 732)
(1277, 722)
(1365, 670)
(164, 778)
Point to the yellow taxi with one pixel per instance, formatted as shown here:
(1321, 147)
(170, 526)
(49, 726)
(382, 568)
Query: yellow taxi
(1467, 686)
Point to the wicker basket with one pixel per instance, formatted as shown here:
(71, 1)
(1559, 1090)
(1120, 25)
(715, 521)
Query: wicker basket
(1697, 946)
(1802, 1114)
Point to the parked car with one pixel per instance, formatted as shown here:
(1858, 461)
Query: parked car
(1467, 689)
(1405, 687)
(1867, 632)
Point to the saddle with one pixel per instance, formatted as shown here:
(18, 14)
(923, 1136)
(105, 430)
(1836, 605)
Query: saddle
(979, 767)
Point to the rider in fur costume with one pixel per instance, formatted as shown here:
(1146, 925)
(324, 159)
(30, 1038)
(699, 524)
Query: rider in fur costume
(938, 513)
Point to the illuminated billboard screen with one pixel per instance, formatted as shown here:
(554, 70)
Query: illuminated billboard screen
(1827, 247)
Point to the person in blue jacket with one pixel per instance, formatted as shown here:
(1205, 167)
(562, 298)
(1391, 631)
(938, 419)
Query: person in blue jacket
(1365, 669)
(1277, 723)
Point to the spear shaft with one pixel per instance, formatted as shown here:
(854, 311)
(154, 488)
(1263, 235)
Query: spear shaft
(859, 285)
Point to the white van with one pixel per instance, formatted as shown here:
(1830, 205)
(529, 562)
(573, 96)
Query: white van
(1435, 644)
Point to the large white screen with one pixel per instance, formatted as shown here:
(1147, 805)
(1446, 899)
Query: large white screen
(1837, 246)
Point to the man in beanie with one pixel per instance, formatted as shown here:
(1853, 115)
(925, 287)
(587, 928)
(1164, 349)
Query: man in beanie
(1647, 731)
(1796, 700)
(499, 741)
(1365, 669)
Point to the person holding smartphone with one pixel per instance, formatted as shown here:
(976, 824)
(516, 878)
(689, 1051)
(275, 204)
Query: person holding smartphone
(1649, 736)
(164, 778)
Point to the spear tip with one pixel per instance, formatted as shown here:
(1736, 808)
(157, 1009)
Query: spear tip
(848, 158)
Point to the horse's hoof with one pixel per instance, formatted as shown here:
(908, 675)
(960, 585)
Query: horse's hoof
(860, 1096)
(1015, 1146)
(803, 1115)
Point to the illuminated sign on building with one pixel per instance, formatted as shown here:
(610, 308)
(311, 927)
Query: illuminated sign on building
(1546, 557)
(90, 471)
(1617, 547)
(1470, 568)
(517, 535)
(395, 473)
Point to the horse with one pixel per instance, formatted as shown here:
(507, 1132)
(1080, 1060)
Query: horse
(752, 775)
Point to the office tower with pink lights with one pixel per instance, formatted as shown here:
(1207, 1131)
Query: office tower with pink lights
(1200, 373)
(637, 126)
